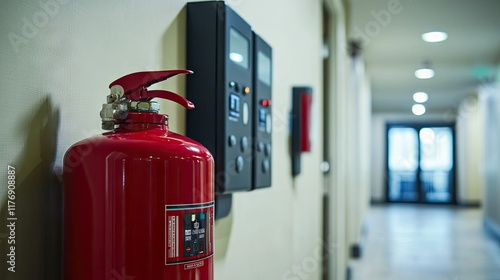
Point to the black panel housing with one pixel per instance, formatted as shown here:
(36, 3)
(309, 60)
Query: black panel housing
(218, 83)
(262, 123)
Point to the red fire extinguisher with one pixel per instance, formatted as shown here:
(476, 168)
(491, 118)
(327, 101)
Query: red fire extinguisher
(138, 200)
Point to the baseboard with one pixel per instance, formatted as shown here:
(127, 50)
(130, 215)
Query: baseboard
(470, 203)
(376, 201)
(493, 228)
(463, 203)
(348, 273)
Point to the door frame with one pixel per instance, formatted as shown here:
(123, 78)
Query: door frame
(417, 127)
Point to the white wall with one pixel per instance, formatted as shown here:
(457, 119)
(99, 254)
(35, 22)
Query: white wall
(365, 136)
(54, 78)
(490, 114)
(358, 159)
(337, 178)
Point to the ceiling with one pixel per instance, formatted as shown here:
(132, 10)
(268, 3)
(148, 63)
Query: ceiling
(390, 34)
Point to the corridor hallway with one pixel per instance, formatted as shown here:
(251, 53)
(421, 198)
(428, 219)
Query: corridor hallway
(425, 242)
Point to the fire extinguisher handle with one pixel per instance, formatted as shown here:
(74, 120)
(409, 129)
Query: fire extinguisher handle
(170, 96)
(135, 84)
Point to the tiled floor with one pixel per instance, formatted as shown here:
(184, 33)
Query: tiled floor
(419, 242)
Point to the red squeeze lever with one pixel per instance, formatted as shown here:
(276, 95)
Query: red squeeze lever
(135, 86)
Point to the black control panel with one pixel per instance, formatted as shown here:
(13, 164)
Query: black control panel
(262, 123)
(220, 52)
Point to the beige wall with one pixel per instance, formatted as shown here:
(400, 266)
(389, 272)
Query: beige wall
(53, 80)
(469, 140)
(275, 233)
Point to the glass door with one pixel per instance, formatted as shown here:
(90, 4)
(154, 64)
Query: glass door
(403, 164)
(420, 163)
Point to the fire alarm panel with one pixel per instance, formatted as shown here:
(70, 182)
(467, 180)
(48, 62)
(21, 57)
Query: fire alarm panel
(262, 122)
(219, 51)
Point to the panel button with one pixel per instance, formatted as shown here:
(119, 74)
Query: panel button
(239, 164)
(260, 146)
(268, 123)
(267, 150)
(262, 117)
(265, 166)
(265, 102)
(244, 144)
(232, 140)
(245, 113)
(233, 85)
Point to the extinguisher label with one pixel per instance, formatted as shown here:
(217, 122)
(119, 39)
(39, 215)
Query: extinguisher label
(173, 236)
(188, 232)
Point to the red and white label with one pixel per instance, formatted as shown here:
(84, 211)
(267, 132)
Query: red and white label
(173, 236)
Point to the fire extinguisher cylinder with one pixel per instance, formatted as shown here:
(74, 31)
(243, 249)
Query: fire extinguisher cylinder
(138, 199)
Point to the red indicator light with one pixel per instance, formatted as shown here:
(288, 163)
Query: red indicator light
(265, 102)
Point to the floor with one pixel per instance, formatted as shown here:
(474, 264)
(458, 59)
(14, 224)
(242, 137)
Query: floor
(415, 242)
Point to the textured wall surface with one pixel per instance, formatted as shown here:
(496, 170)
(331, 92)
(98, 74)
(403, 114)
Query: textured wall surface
(57, 59)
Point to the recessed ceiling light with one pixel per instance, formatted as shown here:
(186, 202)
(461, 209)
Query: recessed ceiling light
(420, 97)
(434, 37)
(418, 109)
(424, 73)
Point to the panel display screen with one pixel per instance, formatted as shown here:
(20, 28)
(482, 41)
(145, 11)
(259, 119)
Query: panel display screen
(264, 68)
(238, 48)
